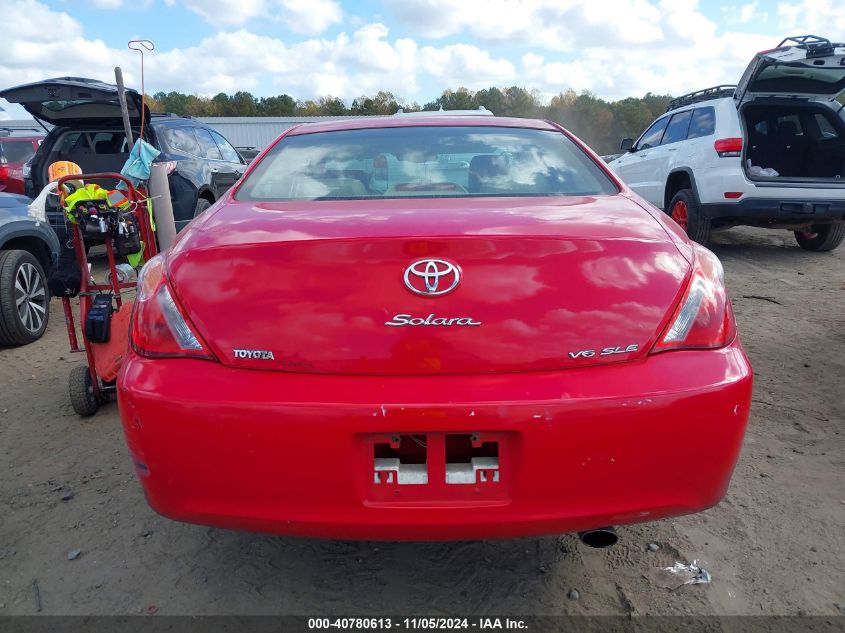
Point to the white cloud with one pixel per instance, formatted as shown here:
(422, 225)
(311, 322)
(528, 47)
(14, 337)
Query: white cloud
(821, 17)
(627, 48)
(346, 66)
(671, 69)
(747, 12)
(228, 11)
(310, 17)
(744, 14)
(550, 24)
(32, 52)
(30, 19)
(108, 4)
(464, 65)
(665, 47)
(615, 48)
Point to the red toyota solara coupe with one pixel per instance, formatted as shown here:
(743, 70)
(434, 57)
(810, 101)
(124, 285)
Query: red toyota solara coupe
(432, 327)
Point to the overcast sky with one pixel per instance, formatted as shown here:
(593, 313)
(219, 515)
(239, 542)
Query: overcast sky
(413, 48)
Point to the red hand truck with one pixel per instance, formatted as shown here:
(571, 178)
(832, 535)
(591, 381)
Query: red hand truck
(89, 388)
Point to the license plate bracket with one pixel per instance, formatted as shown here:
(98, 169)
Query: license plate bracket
(436, 468)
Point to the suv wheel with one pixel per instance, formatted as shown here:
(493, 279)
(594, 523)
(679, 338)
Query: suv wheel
(685, 211)
(821, 237)
(24, 298)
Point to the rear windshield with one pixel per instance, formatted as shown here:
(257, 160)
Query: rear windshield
(16, 151)
(425, 162)
(801, 79)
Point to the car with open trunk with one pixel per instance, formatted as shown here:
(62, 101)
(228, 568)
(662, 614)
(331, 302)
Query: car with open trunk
(17, 147)
(86, 128)
(768, 152)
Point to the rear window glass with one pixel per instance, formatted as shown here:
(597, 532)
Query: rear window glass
(425, 162)
(16, 151)
(69, 142)
(789, 124)
(182, 139)
(825, 127)
(109, 143)
(57, 106)
(703, 122)
(785, 78)
(87, 143)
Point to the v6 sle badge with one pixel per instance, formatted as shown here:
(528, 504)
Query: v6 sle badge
(605, 351)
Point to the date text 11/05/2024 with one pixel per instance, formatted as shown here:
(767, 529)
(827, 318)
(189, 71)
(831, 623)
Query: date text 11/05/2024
(427, 623)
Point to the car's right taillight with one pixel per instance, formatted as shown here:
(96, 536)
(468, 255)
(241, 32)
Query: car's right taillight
(159, 326)
(704, 318)
(169, 165)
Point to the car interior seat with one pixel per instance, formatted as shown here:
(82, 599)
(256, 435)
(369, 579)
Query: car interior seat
(109, 146)
(489, 173)
(788, 151)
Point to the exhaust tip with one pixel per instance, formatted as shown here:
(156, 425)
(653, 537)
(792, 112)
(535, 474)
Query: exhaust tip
(599, 538)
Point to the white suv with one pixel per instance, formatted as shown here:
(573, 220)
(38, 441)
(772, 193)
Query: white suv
(767, 152)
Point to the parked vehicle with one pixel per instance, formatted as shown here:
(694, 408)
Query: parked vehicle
(88, 130)
(16, 148)
(437, 326)
(248, 153)
(28, 251)
(768, 152)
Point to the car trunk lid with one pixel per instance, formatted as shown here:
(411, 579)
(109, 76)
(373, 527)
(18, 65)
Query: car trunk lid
(73, 101)
(324, 286)
(813, 68)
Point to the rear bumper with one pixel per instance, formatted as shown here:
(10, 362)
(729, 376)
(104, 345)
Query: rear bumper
(774, 211)
(293, 453)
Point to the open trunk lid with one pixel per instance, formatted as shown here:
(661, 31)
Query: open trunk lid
(73, 101)
(340, 287)
(808, 67)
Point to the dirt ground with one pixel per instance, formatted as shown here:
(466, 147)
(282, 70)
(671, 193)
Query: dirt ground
(776, 544)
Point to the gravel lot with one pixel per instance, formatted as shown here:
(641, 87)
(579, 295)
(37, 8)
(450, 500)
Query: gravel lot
(776, 544)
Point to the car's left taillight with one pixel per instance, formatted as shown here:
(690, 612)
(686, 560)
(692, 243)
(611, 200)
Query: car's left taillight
(704, 318)
(728, 147)
(160, 328)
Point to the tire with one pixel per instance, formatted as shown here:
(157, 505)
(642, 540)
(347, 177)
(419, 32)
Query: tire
(82, 392)
(685, 211)
(24, 298)
(202, 205)
(821, 237)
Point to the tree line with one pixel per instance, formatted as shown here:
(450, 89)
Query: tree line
(600, 123)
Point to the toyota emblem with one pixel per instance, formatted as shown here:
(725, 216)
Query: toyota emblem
(432, 277)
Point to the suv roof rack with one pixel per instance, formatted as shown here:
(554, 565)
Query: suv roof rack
(481, 111)
(716, 92)
(171, 115)
(814, 45)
